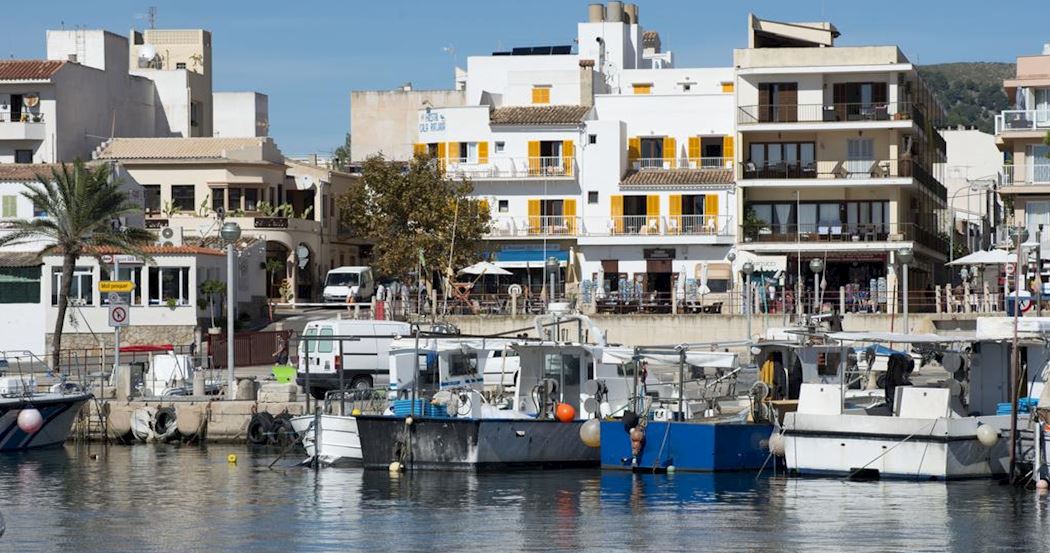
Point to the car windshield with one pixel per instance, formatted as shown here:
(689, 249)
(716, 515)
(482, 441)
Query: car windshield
(342, 279)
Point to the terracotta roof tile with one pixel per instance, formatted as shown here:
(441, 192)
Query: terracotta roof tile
(539, 115)
(24, 172)
(161, 250)
(176, 148)
(657, 177)
(29, 70)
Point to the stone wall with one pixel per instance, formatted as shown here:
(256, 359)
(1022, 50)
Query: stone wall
(132, 335)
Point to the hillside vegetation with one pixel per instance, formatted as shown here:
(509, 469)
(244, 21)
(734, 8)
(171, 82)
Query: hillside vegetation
(971, 92)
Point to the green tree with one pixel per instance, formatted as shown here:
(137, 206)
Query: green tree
(341, 155)
(272, 266)
(81, 203)
(413, 208)
(214, 293)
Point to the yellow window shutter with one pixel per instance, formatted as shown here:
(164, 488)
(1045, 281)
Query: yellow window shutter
(534, 216)
(642, 88)
(483, 152)
(711, 211)
(652, 212)
(616, 212)
(727, 87)
(675, 211)
(694, 150)
(534, 157)
(727, 149)
(419, 149)
(541, 94)
(568, 153)
(569, 210)
(483, 204)
(453, 151)
(442, 150)
(670, 155)
(634, 148)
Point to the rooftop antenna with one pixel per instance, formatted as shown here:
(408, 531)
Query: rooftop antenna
(150, 16)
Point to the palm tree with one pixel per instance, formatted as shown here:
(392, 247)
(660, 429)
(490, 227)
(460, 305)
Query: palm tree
(81, 203)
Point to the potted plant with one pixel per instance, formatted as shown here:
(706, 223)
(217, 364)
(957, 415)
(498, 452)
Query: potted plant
(172, 303)
(212, 292)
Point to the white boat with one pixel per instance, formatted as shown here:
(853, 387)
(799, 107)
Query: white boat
(943, 426)
(336, 434)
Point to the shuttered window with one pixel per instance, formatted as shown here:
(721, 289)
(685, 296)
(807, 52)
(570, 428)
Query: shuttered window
(483, 152)
(541, 94)
(9, 206)
(642, 88)
(727, 87)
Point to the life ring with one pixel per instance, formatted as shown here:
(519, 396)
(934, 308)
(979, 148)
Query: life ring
(1026, 308)
(259, 428)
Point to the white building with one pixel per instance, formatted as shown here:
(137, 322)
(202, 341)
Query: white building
(971, 171)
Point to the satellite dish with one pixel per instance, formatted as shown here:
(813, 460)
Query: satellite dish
(31, 100)
(147, 52)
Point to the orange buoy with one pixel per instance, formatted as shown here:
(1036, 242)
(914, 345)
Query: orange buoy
(565, 412)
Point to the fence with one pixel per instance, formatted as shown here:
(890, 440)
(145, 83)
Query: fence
(249, 348)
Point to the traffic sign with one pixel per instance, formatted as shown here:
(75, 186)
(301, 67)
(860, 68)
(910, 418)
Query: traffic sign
(118, 315)
(1010, 268)
(105, 286)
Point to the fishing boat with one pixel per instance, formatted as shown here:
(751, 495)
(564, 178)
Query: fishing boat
(685, 414)
(31, 419)
(942, 420)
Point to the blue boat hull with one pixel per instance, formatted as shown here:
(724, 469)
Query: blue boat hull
(58, 412)
(688, 446)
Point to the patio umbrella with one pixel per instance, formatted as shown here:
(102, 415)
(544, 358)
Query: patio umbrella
(701, 274)
(680, 288)
(984, 257)
(599, 285)
(484, 268)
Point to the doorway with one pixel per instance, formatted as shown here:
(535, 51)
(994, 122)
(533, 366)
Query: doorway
(658, 276)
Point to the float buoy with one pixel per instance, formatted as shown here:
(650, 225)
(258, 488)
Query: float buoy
(776, 444)
(231, 459)
(565, 412)
(591, 433)
(355, 413)
(394, 467)
(987, 435)
(30, 420)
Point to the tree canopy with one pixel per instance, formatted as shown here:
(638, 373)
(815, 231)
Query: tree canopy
(413, 208)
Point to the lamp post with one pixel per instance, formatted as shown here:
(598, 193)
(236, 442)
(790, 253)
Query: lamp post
(747, 268)
(731, 257)
(816, 265)
(230, 233)
(905, 256)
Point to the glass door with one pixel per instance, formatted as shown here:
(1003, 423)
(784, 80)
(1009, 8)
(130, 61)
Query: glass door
(860, 157)
(1038, 170)
(1042, 107)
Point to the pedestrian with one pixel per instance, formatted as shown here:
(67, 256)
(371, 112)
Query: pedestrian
(280, 355)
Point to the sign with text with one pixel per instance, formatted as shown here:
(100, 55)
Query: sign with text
(430, 121)
(106, 286)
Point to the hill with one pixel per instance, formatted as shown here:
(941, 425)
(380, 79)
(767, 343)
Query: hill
(971, 92)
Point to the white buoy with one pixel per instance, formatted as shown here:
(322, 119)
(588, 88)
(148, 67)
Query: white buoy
(776, 444)
(670, 469)
(987, 435)
(30, 420)
(394, 467)
(591, 433)
(1042, 484)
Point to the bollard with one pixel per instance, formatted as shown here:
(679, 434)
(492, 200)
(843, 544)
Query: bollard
(122, 380)
(198, 383)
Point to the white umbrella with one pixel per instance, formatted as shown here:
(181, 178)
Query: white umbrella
(985, 257)
(701, 274)
(599, 285)
(484, 268)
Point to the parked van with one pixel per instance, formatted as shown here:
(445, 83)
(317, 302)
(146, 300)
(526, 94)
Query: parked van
(355, 282)
(360, 352)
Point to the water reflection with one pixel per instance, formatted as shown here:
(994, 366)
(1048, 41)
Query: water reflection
(167, 498)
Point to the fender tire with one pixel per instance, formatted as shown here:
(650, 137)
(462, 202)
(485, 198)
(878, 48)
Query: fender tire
(259, 428)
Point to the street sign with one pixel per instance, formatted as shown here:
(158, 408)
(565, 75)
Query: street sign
(106, 286)
(118, 316)
(115, 298)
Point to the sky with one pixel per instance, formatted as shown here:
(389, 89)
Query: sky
(308, 55)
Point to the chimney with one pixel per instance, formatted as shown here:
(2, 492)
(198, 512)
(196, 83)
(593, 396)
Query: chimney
(595, 13)
(631, 14)
(614, 12)
(587, 83)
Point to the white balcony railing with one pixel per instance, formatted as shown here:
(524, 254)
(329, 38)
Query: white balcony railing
(513, 168)
(1027, 174)
(628, 225)
(669, 164)
(1022, 120)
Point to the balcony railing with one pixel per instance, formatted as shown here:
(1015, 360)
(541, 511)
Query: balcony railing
(627, 225)
(833, 231)
(1028, 174)
(670, 164)
(826, 113)
(21, 117)
(512, 168)
(829, 169)
(1022, 120)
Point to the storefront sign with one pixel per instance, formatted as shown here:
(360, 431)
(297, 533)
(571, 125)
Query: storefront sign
(431, 122)
(658, 253)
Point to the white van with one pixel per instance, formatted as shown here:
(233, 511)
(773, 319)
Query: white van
(357, 348)
(355, 282)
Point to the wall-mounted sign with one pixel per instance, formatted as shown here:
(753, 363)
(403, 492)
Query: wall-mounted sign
(430, 121)
(658, 253)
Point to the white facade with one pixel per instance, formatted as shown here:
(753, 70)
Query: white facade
(240, 114)
(972, 167)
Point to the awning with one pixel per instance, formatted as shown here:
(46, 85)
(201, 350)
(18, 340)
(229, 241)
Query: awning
(535, 257)
(762, 263)
(715, 359)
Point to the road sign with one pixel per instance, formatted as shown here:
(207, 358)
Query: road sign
(114, 298)
(118, 315)
(105, 286)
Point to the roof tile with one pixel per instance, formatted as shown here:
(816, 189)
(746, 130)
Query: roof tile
(29, 70)
(24, 172)
(658, 177)
(175, 148)
(539, 115)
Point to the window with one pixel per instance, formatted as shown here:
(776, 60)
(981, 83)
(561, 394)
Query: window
(462, 364)
(218, 199)
(134, 274)
(19, 284)
(323, 345)
(81, 292)
(195, 110)
(169, 283)
(39, 211)
(727, 88)
(552, 208)
(180, 65)
(310, 344)
(500, 145)
(468, 152)
(182, 197)
(781, 160)
(592, 197)
(235, 199)
(652, 150)
(9, 206)
(778, 102)
(23, 156)
(642, 88)
(592, 139)
(541, 94)
(251, 199)
(151, 193)
(504, 206)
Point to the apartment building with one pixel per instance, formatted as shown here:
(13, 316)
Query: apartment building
(837, 157)
(1022, 135)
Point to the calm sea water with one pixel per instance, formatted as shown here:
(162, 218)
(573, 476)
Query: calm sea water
(168, 498)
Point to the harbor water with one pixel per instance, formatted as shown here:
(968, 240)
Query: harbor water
(149, 498)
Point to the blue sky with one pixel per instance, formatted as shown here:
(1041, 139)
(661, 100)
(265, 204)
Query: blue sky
(308, 55)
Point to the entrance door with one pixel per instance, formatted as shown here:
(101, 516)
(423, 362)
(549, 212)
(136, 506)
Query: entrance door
(16, 107)
(1042, 107)
(658, 277)
(860, 157)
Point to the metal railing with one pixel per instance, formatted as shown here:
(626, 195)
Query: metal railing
(829, 169)
(833, 231)
(670, 164)
(21, 117)
(627, 225)
(545, 225)
(1022, 120)
(1027, 174)
(827, 113)
(512, 167)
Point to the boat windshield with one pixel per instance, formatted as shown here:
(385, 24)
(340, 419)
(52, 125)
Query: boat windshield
(342, 279)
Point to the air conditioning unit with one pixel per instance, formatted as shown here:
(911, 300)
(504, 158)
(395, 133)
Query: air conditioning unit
(169, 236)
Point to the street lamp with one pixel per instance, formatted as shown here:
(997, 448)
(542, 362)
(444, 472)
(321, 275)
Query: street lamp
(816, 265)
(731, 257)
(230, 233)
(747, 268)
(905, 256)
(975, 187)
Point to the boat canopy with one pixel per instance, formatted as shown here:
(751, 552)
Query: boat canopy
(895, 337)
(1002, 328)
(714, 359)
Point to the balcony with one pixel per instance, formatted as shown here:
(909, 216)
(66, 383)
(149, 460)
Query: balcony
(23, 126)
(1026, 175)
(500, 168)
(1017, 120)
(672, 164)
(861, 170)
(627, 225)
(827, 113)
(849, 233)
